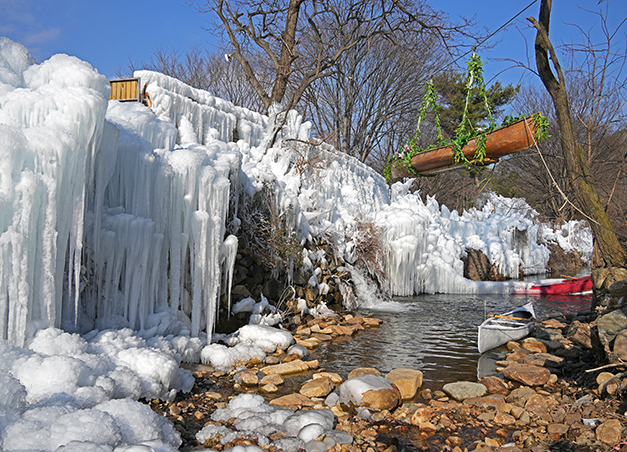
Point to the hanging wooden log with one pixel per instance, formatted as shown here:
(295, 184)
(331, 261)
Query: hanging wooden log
(510, 139)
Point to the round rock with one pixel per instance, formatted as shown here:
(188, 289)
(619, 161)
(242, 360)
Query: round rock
(462, 390)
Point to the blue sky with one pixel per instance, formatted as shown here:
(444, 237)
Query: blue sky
(107, 34)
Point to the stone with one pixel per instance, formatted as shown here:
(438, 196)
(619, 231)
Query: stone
(512, 345)
(286, 368)
(309, 343)
(548, 334)
(516, 411)
(609, 432)
(381, 399)
(618, 289)
(538, 406)
(495, 385)
(534, 346)
(311, 293)
(603, 377)
(335, 378)
(504, 419)
(553, 323)
(476, 265)
(612, 323)
(249, 377)
(517, 355)
(544, 360)
(620, 345)
(372, 322)
(269, 388)
(489, 401)
(556, 431)
(527, 374)
(240, 291)
(408, 381)
(519, 396)
(462, 390)
(293, 402)
(580, 334)
(361, 371)
(318, 387)
(274, 379)
(313, 364)
(422, 415)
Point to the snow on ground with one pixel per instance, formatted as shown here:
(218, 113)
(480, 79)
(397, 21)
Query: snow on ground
(113, 225)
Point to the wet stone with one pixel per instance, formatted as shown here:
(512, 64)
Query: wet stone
(527, 374)
(495, 385)
(462, 390)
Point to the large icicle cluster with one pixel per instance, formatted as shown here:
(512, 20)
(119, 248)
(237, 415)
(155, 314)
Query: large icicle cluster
(158, 222)
(51, 122)
(108, 213)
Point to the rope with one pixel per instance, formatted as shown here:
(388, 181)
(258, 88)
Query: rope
(566, 200)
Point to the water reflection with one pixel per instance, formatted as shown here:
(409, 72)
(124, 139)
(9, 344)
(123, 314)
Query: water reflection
(436, 334)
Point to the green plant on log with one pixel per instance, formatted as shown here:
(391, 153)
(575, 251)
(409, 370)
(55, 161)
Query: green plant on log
(465, 131)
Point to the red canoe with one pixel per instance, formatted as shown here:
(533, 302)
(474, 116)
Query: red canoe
(568, 286)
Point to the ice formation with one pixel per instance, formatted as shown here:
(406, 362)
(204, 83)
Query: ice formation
(113, 224)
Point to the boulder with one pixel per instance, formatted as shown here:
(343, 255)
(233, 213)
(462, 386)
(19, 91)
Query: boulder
(548, 334)
(517, 355)
(527, 374)
(495, 385)
(274, 379)
(381, 399)
(370, 391)
(318, 387)
(618, 289)
(620, 345)
(534, 345)
(544, 360)
(610, 324)
(580, 334)
(609, 432)
(408, 381)
(462, 390)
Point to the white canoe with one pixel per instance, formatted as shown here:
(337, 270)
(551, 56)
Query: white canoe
(509, 326)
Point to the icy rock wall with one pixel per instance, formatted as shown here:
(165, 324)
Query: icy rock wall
(51, 122)
(104, 219)
(203, 117)
(425, 242)
(158, 223)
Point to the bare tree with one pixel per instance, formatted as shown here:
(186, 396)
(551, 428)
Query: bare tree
(371, 101)
(283, 32)
(575, 155)
(203, 70)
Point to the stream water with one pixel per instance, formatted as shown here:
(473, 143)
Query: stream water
(436, 334)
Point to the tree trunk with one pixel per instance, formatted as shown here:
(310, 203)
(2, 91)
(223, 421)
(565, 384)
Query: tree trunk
(577, 163)
(288, 54)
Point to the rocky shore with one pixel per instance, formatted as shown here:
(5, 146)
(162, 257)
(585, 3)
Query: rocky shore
(560, 390)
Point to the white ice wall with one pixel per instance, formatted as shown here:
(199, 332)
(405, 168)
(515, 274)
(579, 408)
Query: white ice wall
(51, 121)
(211, 118)
(105, 221)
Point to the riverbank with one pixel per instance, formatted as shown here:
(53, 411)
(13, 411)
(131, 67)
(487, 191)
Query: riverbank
(552, 392)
